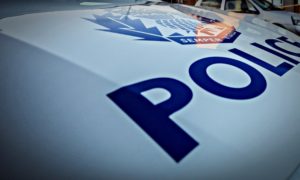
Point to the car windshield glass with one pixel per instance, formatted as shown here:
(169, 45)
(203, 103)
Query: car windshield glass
(10, 8)
(265, 5)
(240, 6)
(212, 3)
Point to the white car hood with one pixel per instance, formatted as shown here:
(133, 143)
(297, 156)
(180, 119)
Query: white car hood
(283, 17)
(58, 69)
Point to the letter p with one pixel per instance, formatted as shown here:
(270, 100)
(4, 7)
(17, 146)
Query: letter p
(154, 119)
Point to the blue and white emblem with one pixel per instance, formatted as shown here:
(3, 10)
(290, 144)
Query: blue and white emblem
(159, 27)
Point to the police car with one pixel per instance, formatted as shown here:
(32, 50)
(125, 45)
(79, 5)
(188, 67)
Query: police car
(261, 9)
(147, 90)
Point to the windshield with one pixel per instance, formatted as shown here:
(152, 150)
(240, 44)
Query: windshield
(265, 5)
(240, 6)
(10, 8)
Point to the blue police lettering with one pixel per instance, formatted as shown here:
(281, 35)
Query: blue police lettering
(276, 53)
(285, 39)
(198, 72)
(273, 43)
(282, 68)
(279, 70)
(154, 119)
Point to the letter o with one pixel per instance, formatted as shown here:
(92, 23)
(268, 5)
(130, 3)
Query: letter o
(198, 72)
